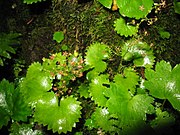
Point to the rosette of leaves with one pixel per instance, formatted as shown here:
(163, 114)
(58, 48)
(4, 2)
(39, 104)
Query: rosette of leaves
(95, 55)
(138, 51)
(32, 1)
(125, 29)
(6, 42)
(163, 83)
(65, 67)
(12, 104)
(52, 106)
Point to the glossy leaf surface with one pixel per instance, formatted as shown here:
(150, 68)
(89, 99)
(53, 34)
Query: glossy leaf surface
(164, 83)
(58, 118)
(125, 29)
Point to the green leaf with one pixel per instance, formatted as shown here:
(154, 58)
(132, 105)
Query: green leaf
(95, 55)
(23, 129)
(163, 120)
(164, 83)
(32, 1)
(131, 110)
(116, 95)
(6, 42)
(176, 6)
(106, 3)
(164, 34)
(36, 83)
(125, 29)
(20, 108)
(105, 120)
(135, 8)
(83, 90)
(97, 89)
(138, 51)
(12, 104)
(90, 123)
(58, 118)
(128, 80)
(58, 36)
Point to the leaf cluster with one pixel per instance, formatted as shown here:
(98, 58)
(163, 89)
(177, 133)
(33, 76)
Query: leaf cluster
(6, 42)
(12, 104)
(121, 107)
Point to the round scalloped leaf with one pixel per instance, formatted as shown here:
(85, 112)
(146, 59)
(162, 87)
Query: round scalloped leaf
(97, 89)
(32, 1)
(58, 36)
(95, 55)
(105, 120)
(128, 80)
(106, 3)
(58, 118)
(125, 29)
(23, 129)
(138, 51)
(164, 83)
(36, 83)
(34, 69)
(12, 104)
(135, 8)
(131, 110)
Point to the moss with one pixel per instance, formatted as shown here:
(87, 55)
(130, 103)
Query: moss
(166, 49)
(84, 24)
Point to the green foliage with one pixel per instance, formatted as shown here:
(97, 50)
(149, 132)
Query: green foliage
(164, 34)
(176, 6)
(128, 80)
(12, 104)
(95, 55)
(97, 89)
(58, 118)
(6, 40)
(58, 36)
(135, 9)
(164, 83)
(32, 1)
(127, 8)
(102, 118)
(138, 51)
(23, 129)
(106, 3)
(122, 103)
(125, 29)
(162, 121)
(46, 87)
(59, 89)
(120, 108)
